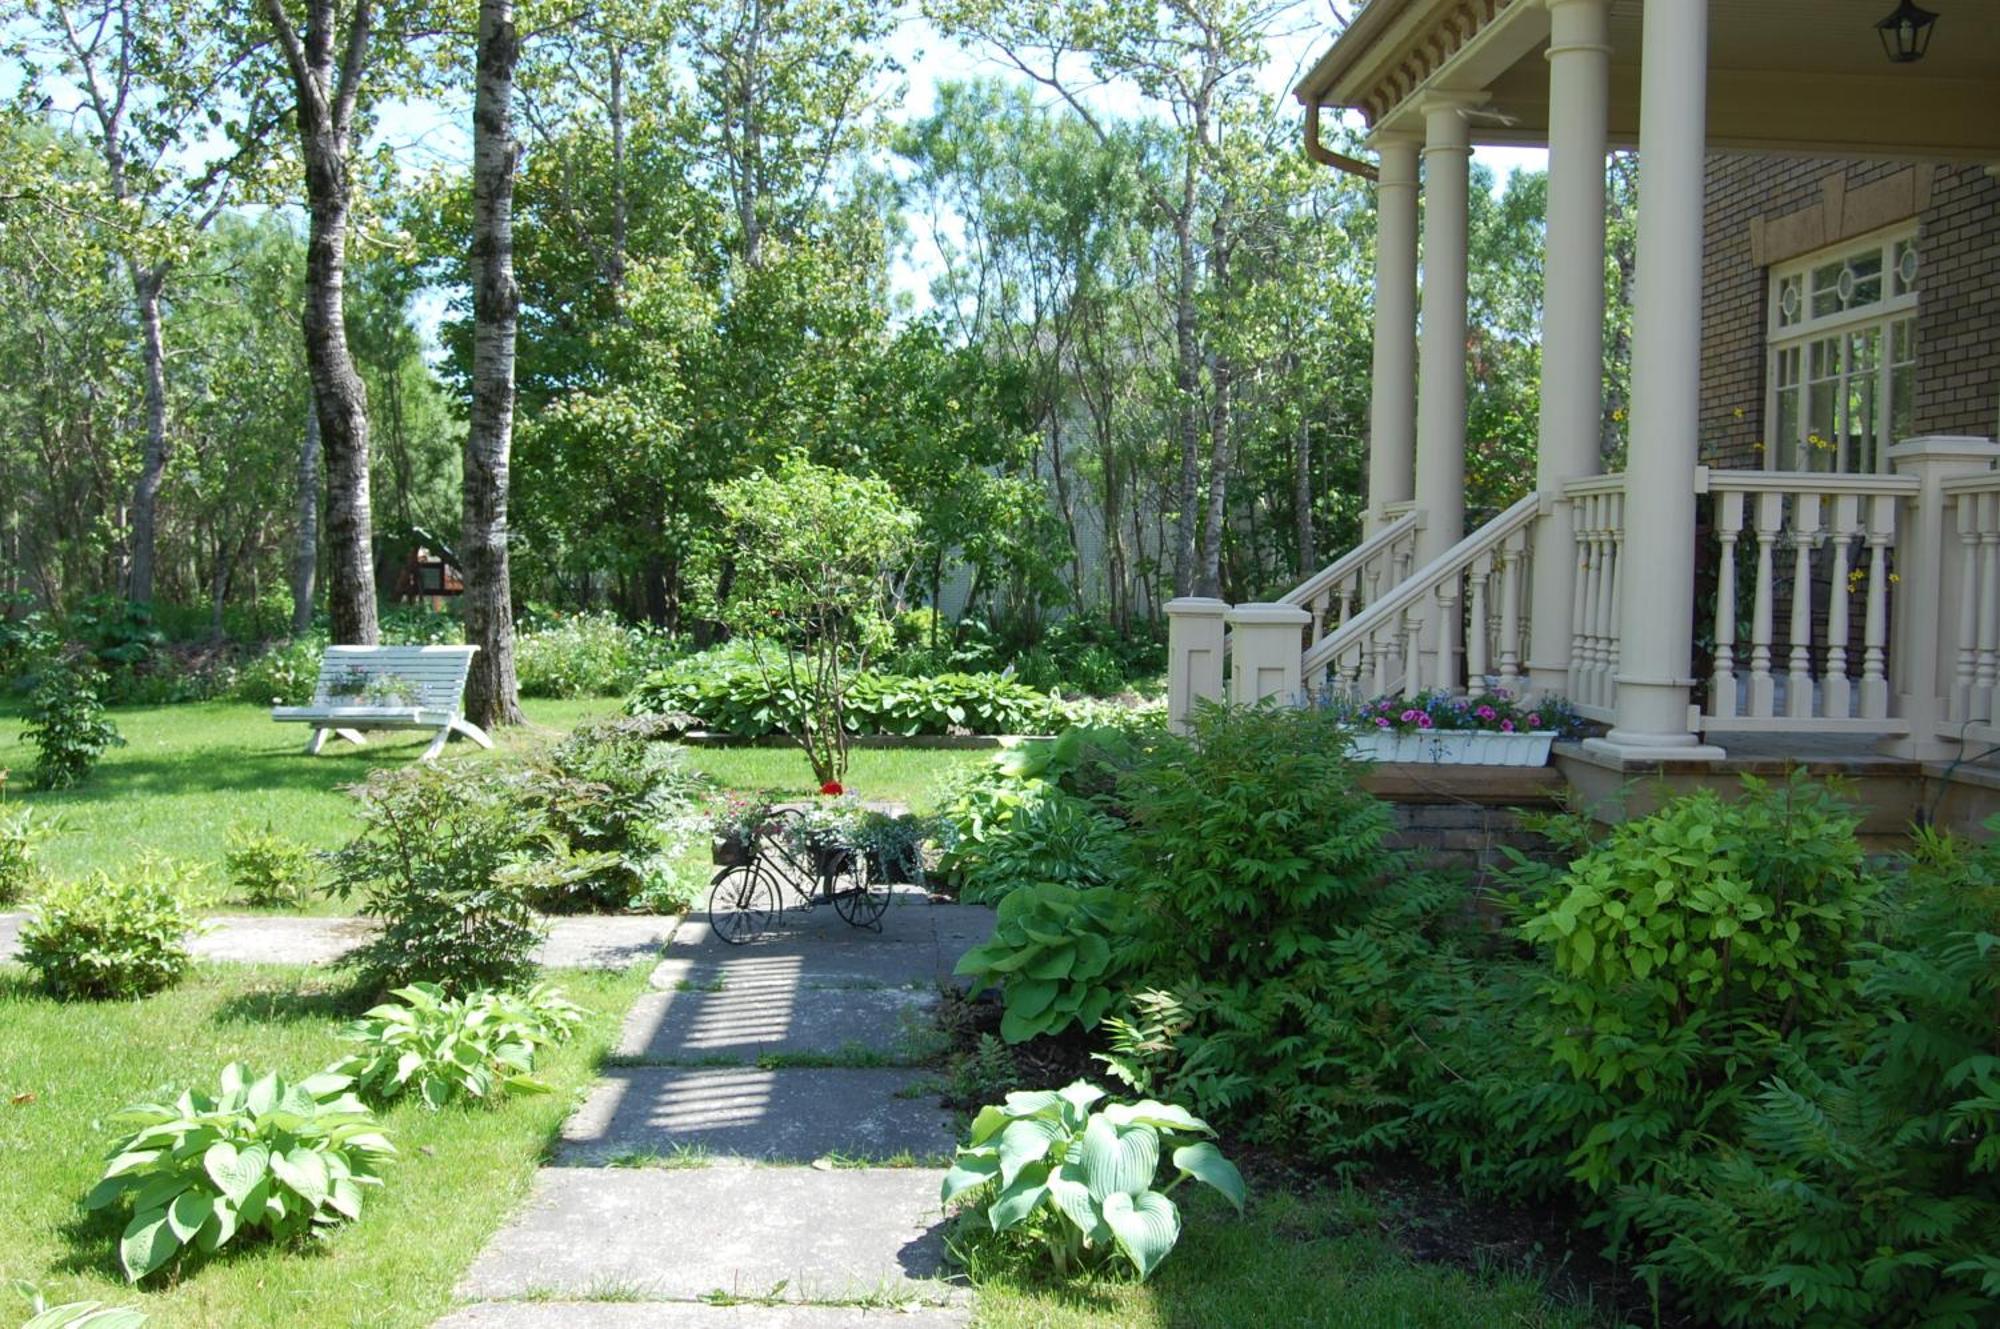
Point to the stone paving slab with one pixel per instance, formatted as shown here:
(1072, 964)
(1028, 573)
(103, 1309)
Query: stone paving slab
(744, 1113)
(590, 942)
(766, 1012)
(681, 1234)
(687, 1315)
(919, 944)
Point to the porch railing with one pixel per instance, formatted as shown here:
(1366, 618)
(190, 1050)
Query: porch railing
(1359, 577)
(1409, 638)
(1972, 560)
(1817, 551)
(1597, 506)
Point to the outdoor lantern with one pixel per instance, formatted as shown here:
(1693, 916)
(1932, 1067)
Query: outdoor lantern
(1906, 34)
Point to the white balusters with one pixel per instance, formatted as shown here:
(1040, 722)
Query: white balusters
(1478, 632)
(1805, 536)
(1728, 526)
(1513, 632)
(1836, 687)
(1769, 519)
(1875, 635)
(1987, 506)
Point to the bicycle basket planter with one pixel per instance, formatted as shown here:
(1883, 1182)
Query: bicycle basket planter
(831, 860)
(730, 851)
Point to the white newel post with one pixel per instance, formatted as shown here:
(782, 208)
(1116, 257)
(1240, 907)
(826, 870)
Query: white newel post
(1194, 656)
(1440, 480)
(1930, 573)
(1266, 650)
(1656, 594)
(1572, 403)
(1392, 405)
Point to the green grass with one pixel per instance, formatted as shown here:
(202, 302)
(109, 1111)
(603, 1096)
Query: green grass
(64, 1069)
(1294, 1262)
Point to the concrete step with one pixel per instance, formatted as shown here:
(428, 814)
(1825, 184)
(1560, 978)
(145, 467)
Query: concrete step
(761, 1009)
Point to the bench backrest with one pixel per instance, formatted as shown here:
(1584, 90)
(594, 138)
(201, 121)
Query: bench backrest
(435, 673)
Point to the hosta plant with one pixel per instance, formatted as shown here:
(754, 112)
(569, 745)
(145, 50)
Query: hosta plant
(75, 1314)
(260, 1156)
(440, 1047)
(1084, 1176)
(1054, 956)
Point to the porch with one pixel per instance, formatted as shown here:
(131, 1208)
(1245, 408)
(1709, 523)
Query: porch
(1849, 609)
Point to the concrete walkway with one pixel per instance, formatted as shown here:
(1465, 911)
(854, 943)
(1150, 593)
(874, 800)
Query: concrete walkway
(761, 1155)
(584, 942)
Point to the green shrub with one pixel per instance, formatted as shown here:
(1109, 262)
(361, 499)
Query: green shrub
(441, 1048)
(1082, 1179)
(736, 698)
(1054, 954)
(1050, 837)
(21, 836)
(284, 674)
(112, 935)
(619, 796)
(269, 870)
(1685, 948)
(261, 1156)
(448, 859)
(584, 655)
(67, 724)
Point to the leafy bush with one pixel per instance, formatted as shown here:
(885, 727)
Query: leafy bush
(1685, 947)
(1054, 956)
(112, 935)
(261, 1155)
(21, 836)
(448, 859)
(67, 724)
(740, 700)
(625, 805)
(894, 845)
(441, 1048)
(284, 674)
(1083, 1180)
(269, 870)
(584, 655)
(1050, 837)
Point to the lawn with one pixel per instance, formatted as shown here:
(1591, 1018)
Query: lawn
(459, 1172)
(188, 773)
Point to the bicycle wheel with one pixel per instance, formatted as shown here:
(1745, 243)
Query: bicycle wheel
(857, 896)
(741, 904)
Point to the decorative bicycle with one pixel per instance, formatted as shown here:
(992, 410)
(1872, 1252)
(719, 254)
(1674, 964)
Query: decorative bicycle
(749, 893)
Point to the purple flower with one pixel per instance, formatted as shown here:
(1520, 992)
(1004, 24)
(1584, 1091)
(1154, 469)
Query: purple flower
(1506, 726)
(1486, 713)
(1381, 722)
(1410, 717)
(1423, 721)
(1534, 720)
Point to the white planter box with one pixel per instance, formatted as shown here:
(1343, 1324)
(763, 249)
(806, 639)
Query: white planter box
(1456, 747)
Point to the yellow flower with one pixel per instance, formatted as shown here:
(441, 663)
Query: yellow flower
(1738, 413)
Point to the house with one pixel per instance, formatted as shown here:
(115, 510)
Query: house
(1814, 402)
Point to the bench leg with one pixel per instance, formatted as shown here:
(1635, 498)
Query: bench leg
(437, 744)
(472, 731)
(354, 736)
(316, 742)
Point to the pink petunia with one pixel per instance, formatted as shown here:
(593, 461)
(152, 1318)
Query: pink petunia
(1506, 726)
(1486, 712)
(1381, 722)
(1534, 720)
(1411, 717)
(1423, 721)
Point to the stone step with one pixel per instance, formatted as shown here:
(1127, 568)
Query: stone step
(790, 1234)
(694, 1315)
(747, 1114)
(761, 1009)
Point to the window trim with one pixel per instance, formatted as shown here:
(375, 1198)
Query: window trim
(1885, 313)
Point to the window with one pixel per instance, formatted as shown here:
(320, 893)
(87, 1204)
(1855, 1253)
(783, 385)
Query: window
(1843, 339)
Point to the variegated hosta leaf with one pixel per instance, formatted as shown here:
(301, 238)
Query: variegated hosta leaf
(1025, 1142)
(1145, 1227)
(1019, 1200)
(1072, 1196)
(1205, 1163)
(1032, 1103)
(968, 1171)
(1119, 1158)
(1160, 1116)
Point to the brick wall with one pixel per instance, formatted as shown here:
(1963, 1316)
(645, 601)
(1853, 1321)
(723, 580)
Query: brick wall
(1958, 319)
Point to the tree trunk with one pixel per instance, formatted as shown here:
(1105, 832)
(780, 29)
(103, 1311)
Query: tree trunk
(1221, 426)
(1302, 498)
(305, 550)
(146, 286)
(491, 694)
(1187, 388)
(326, 100)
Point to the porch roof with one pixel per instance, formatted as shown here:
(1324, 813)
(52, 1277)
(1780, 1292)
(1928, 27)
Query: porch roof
(1805, 76)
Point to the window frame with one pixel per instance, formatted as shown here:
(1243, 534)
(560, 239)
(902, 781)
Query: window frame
(1883, 315)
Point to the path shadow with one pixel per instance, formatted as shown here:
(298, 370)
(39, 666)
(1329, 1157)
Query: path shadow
(282, 1005)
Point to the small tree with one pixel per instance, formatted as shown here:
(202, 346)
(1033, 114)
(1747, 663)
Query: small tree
(815, 553)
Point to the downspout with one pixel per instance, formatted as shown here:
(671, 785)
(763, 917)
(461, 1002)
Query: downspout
(1326, 156)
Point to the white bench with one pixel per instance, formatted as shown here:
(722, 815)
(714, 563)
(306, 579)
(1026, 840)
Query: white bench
(356, 692)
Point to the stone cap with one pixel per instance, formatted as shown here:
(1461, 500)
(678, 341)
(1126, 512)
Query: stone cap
(1252, 615)
(1969, 447)
(1196, 606)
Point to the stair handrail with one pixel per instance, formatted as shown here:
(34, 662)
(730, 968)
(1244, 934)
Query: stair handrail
(1352, 561)
(1424, 581)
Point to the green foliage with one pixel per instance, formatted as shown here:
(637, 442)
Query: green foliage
(448, 859)
(1685, 947)
(67, 724)
(21, 835)
(112, 935)
(261, 1156)
(584, 655)
(442, 1048)
(269, 870)
(284, 674)
(1054, 954)
(742, 700)
(814, 550)
(1143, 1041)
(1051, 836)
(76, 1314)
(1082, 1177)
(624, 804)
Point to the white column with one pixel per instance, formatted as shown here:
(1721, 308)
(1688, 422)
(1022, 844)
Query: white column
(1656, 596)
(1440, 480)
(1266, 653)
(1392, 407)
(1194, 657)
(1572, 318)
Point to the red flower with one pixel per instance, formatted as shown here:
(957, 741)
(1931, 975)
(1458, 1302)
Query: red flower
(831, 788)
